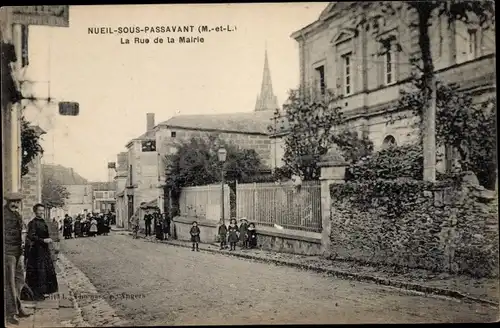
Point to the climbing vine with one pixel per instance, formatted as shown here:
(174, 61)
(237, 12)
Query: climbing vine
(30, 143)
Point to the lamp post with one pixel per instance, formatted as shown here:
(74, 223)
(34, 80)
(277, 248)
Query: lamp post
(222, 158)
(169, 171)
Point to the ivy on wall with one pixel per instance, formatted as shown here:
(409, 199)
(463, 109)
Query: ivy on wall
(395, 222)
(30, 143)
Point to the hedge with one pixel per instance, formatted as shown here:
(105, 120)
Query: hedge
(400, 223)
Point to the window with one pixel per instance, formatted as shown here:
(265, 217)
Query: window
(472, 44)
(149, 146)
(389, 66)
(130, 175)
(347, 74)
(388, 142)
(320, 79)
(173, 134)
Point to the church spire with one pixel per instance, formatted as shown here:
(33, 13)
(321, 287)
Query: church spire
(266, 100)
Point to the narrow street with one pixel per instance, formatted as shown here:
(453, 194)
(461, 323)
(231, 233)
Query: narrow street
(184, 287)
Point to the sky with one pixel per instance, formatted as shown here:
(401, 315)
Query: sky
(117, 84)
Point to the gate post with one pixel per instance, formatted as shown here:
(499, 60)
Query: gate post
(333, 167)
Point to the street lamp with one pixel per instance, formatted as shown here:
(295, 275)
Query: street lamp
(222, 153)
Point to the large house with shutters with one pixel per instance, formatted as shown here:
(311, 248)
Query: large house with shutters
(338, 53)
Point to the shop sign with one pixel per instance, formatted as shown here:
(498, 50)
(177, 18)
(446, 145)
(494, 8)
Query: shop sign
(57, 16)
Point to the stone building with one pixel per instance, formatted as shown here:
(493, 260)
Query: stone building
(137, 174)
(337, 54)
(143, 179)
(120, 184)
(80, 190)
(103, 196)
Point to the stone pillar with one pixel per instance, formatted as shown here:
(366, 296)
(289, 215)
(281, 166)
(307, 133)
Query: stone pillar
(333, 168)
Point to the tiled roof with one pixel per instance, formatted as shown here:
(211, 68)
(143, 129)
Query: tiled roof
(102, 186)
(147, 135)
(64, 175)
(249, 122)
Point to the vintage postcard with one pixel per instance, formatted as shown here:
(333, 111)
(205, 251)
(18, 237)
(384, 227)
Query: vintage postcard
(249, 163)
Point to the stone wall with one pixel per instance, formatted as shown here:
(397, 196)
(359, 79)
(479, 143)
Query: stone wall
(285, 241)
(31, 186)
(208, 229)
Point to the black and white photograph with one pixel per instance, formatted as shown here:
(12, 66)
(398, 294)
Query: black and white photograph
(249, 164)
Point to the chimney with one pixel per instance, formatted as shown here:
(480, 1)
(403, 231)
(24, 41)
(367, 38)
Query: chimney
(111, 171)
(122, 164)
(150, 118)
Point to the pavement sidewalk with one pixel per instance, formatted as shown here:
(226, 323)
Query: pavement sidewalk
(485, 290)
(56, 311)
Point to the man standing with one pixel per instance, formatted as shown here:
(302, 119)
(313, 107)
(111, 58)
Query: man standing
(13, 265)
(148, 218)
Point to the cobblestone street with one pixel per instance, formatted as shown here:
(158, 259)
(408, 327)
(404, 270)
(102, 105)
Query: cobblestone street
(182, 287)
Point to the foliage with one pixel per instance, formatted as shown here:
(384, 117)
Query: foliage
(400, 223)
(54, 194)
(393, 162)
(10, 92)
(460, 124)
(30, 145)
(315, 123)
(196, 163)
(481, 13)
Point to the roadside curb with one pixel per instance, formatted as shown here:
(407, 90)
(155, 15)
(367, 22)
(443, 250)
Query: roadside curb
(93, 310)
(348, 275)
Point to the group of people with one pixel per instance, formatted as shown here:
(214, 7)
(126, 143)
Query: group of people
(244, 234)
(159, 221)
(90, 225)
(36, 275)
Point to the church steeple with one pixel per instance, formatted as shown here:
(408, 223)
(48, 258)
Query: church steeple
(266, 100)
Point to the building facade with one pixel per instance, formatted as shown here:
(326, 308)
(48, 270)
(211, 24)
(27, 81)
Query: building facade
(14, 27)
(103, 197)
(363, 63)
(122, 218)
(142, 181)
(79, 189)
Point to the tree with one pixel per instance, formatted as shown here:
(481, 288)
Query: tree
(315, 123)
(481, 13)
(54, 194)
(30, 145)
(461, 124)
(196, 163)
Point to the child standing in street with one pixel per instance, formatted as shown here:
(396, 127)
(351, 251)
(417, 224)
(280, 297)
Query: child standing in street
(93, 227)
(252, 236)
(195, 236)
(222, 234)
(233, 234)
(244, 233)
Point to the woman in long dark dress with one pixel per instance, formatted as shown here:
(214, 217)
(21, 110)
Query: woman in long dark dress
(158, 226)
(40, 272)
(78, 227)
